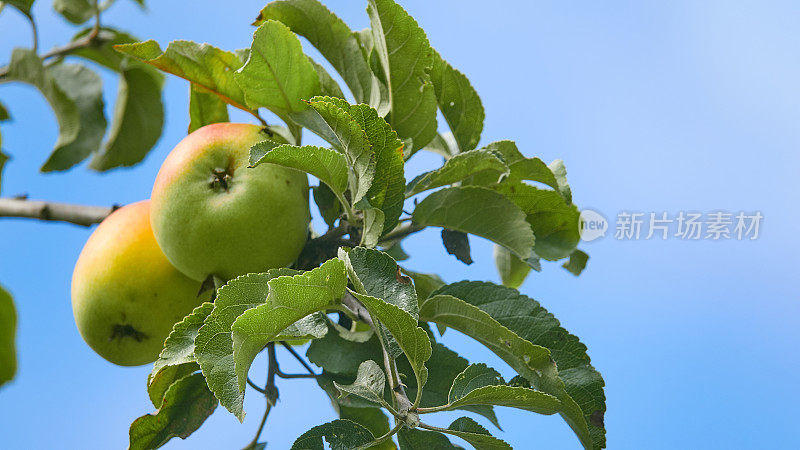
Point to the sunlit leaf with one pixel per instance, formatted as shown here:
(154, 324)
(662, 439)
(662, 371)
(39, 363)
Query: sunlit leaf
(205, 108)
(512, 270)
(459, 103)
(341, 434)
(370, 383)
(476, 435)
(458, 168)
(329, 166)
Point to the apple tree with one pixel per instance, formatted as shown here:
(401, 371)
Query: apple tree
(374, 327)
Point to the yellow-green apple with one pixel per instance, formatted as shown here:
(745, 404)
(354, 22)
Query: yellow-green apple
(126, 296)
(213, 215)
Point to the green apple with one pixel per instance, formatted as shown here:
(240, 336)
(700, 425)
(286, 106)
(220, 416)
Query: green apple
(212, 215)
(126, 296)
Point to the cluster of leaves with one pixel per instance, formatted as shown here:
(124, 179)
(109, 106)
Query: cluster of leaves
(74, 91)
(381, 358)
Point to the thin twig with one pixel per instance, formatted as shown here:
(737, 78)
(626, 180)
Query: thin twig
(401, 232)
(62, 212)
(299, 358)
(270, 391)
(386, 436)
(254, 386)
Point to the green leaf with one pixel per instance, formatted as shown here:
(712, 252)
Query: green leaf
(388, 184)
(187, 404)
(512, 270)
(329, 166)
(412, 339)
(476, 435)
(460, 104)
(372, 419)
(79, 112)
(369, 384)
(406, 58)
(329, 205)
(178, 351)
(375, 273)
(424, 283)
(555, 223)
(206, 66)
(8, 331)
(138, 120)
(277, 75)
(514, 397)
(473, 377)
(23, 5)
(479, 211)
(76, 11)
(335, 124)
(102, 51)
(3, 159)
(341, 434)
(289, 300)
(457, 244)
(458, 168)
(159, 383)
(334, 40)
(577, 262)
(444, 366)
(205, 109)
(4, 115)
(529, 321)
(327, 85)
(341, 351)
(416, 439)
(531, 169)
(373, 227)
(443, 145)
(85, 89)
(214, 344)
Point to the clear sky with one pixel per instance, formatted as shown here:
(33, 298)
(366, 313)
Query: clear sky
(653, 106)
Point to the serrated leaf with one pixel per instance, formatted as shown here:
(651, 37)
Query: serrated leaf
(341, 434)
(555, 223)
(412, 339)
(457, 244)
(178, 350)
(512, 270)
(334, 40)
(187, 404)
(458, 168)
(416, 439)
(204, 65)
(75, 11)
(476, 435)
(277, 74)
(205, 108)
(326, 380)
(530, 321)
(473, 377)
(386, 190)
(444, 366)
(289, 300)
(372, 419)
(406, 58)
(335, 124)
(531, 169)
(327, 85)
(479, 211)
(369, 384)
(214, 343)
(577, 262)
(513, 397)
(8, 332)
(329, 166)
(375, 273)
(459, 103)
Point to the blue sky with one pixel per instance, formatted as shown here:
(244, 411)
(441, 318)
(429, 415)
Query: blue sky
(653, 106)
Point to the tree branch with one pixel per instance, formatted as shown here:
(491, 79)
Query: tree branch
(400, 233)
(53, 211)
